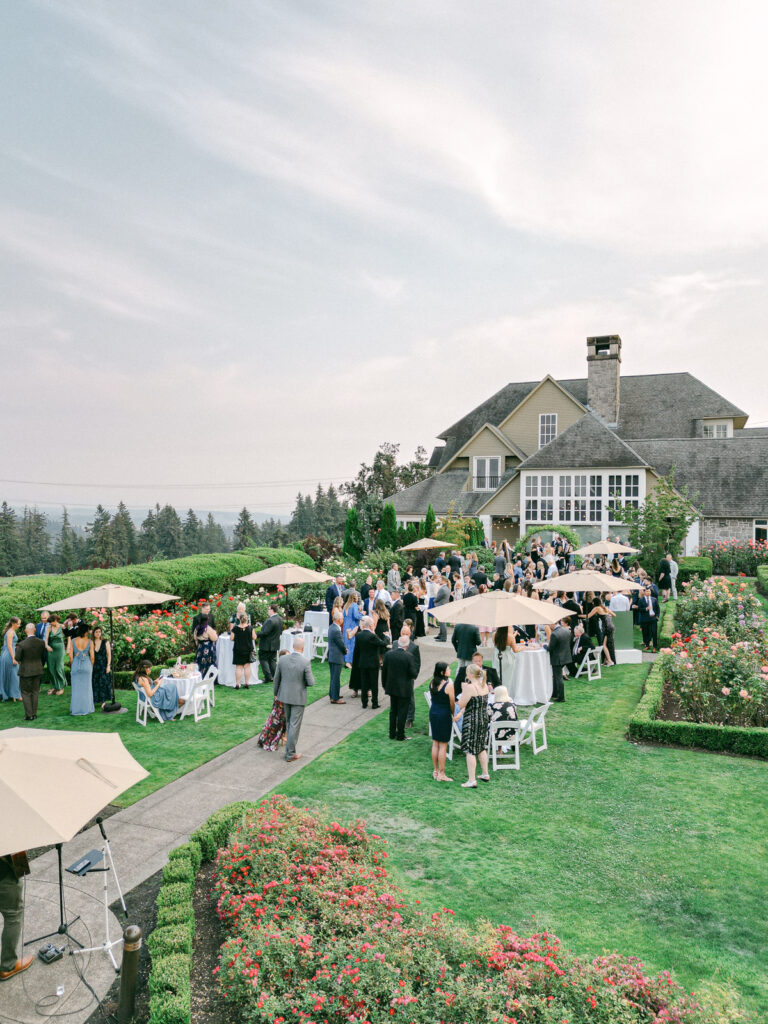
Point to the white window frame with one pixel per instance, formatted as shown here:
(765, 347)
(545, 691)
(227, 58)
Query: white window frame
(547, 428)
(717, 430)
(591, 497)
(759, 524)
(487, 475)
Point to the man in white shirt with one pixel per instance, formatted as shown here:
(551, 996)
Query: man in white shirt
(619, 602)
(382, 594)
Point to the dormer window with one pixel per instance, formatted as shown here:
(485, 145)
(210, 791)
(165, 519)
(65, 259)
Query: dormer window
(487, 473)
(547, 428)
(717, 429)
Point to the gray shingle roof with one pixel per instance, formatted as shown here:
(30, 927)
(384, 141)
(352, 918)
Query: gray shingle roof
(724, 478)
(439, 491)
(584, 444)
(651, 405)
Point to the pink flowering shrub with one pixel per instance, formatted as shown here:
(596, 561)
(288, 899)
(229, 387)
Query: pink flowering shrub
(735, 557)
(730, 607)
(317, 934)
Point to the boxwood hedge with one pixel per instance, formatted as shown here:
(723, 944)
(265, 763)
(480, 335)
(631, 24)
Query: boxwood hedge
(693, 567)
(762, 579)
(189, 578)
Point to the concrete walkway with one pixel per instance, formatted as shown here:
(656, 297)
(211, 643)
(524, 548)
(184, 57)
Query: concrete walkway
(141, 837)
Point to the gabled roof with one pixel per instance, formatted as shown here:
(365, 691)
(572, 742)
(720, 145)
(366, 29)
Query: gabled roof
(586, 443)
(509, 445)
(724, 478)
(438, 491)
(532, 394)
(505, 481)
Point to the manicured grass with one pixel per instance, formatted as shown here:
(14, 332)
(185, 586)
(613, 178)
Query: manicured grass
(652, 851)
(170, 750)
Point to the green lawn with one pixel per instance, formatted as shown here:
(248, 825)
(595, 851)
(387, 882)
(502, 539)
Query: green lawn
(171, 750)
(656, 852)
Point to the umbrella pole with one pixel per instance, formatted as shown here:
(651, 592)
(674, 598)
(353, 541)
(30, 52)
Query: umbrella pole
(112, 706)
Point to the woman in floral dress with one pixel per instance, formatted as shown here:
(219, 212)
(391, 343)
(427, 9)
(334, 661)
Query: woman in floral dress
(205, 640)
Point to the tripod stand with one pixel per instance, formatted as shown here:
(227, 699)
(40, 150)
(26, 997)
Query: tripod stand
(64, 926)
(108, 944)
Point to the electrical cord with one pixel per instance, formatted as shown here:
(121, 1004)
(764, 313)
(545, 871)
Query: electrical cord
(40, 1005)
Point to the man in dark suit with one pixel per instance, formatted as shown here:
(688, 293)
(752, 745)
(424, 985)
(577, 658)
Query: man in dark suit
(440, 562)
(269, 643)
(648, 617)
(368, 650)
(397, 676)
(293, 676)
(580, 644)
(572, 605)
(415, 653)
(337, 653)
(491, 675)
(500, 564)
(396, 614)
(559, 656)
(465, 640)
(335, 590)
(454, 560)
(442, 597)
(479, 577)
(30, 654)
(204, 610)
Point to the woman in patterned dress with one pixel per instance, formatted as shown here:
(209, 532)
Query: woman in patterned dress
(205, 639)
(273, 732)
(475, 726)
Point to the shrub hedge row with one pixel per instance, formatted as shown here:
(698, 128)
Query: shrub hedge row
(667, 623)
(645, 726)
(171, 943)
(189, 578)
(694, 567)
(762, 579)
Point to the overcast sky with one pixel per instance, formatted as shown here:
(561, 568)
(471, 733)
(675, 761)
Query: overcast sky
(245, 242)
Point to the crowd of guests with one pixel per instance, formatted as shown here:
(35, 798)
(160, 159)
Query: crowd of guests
(47, 647)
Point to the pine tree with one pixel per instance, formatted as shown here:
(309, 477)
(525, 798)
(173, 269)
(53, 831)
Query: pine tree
(65, 554)
(430, 522)
(9, 541)
(214, 540)
(35, 544)
(94, 530)
(322, 520)
(401, 537)
(388, 534)
(193, 534)
(170, 535)
(353, 540)
(148, 535)
(411, 533)
(123, 536)
(243, 536)
(337, 515)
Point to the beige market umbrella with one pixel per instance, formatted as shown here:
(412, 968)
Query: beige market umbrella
(426, 544)
(285, 575)
(109, 596)
(586, 579)
(53, 781)
(498, 608)
(606, 547)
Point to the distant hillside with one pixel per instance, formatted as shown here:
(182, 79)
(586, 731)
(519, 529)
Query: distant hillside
(79, 518)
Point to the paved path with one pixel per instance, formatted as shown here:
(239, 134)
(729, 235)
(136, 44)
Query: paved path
(141, 837)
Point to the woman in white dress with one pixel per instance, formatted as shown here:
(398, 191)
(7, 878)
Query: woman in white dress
(505, 646)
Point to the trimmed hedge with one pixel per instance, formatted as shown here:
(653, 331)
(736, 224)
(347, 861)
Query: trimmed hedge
(647, 728)
(667, 623)
(189, 578)
(762, 579)
(694, 567)
(171, 943)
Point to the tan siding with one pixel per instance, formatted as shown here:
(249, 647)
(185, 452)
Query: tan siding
(507, 503)
(486, 443)
(522, 426)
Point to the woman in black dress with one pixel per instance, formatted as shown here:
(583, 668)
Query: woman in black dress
(441, 718)
(411, 606)
(102, 667)
(242, 649)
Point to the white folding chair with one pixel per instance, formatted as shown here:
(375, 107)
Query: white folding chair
(144, 707)
(209, 679)
(534, 724)
(428, 699)
(504, 734)
(198, 703)
(455, 738)
(590, 664)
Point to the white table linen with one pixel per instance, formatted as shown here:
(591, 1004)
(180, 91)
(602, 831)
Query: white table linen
(531, 678)
(319, 621)
(184, 685)
(224, 663)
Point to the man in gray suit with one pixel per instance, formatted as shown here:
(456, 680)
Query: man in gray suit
(393, 578)
(293, 676)
(442, 596)
(559, 656)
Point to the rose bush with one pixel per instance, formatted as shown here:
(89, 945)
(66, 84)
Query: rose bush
(316, 933)
(731, 607)
(737, 556)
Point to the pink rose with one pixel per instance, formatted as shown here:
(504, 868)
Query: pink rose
(743, 694)
(725, 690)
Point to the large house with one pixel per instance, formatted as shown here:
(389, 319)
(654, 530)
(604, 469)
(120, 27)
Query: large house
(574, 452)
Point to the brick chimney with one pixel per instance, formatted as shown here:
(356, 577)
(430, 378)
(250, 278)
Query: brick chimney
(604, 377)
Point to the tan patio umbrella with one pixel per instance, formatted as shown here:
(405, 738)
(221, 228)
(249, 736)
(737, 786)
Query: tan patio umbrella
(109, 596)
(498, 608)
(606, 547)
(586, 579)
(285, 575)
(53, 781)
(426, 544)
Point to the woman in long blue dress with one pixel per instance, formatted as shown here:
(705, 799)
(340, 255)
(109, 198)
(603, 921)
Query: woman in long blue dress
(352, 616)
(81, 673)
(9, 670)
(163, 695)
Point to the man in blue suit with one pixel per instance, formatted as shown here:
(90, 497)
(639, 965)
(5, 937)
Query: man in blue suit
(337, 653)
(335, 590)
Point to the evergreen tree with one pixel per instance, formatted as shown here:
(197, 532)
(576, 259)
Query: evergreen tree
(35, 544)
(388, 535)
(321, 526)
(65, 553)
(148, 535)
(214, 539)
(244, 531)
(353, 540)
(337, 515)
(411, 533)
(9, 541)
(170, 533)
(124, 542)
(401, 537)
(430, 522)
(193, 534)
(94, 530)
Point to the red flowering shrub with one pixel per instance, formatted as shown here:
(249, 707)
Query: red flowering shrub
(317, 934)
